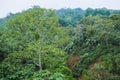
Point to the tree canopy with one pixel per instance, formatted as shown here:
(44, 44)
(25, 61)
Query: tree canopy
(65, 44)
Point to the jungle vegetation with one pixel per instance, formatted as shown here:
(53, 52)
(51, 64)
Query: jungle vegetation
(64, 44)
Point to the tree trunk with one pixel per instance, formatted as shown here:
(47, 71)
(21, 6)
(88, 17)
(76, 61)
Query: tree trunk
(40, 64)
(39, 59)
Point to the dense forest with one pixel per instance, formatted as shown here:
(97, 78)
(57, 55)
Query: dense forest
(64, 44)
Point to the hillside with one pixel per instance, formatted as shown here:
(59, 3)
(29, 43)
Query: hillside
(65, 44)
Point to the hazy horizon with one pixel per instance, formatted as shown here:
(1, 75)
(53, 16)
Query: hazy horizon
(8, 6)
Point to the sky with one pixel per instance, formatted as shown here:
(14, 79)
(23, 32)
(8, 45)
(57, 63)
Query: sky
(14, 6)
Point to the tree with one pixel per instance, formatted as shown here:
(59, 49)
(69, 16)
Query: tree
(37, 38)
(96, 40)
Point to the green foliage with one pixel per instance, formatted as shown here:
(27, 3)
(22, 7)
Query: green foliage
(17, 65)
(69, 17)
(34, 45)
(31, 36)
(68, 75)
(95, 38)
(47, 75)
(100, 12)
